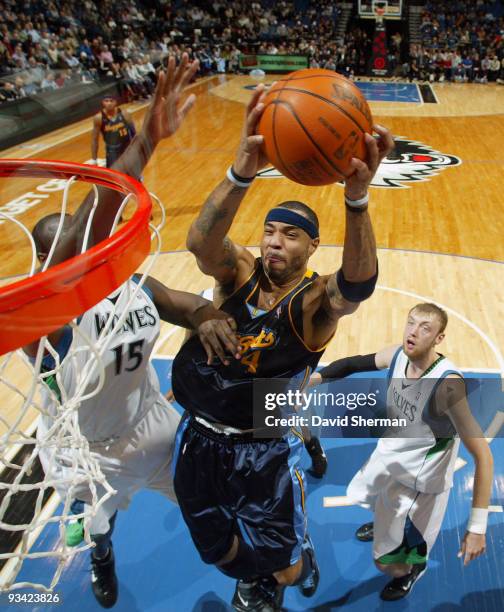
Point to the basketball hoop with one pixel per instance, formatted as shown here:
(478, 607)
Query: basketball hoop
(379, 13)
(35, 306)
(380, 8)
(30, 309)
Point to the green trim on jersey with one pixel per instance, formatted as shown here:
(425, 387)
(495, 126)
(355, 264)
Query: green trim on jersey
(440, 445)
(428, 370)
(52, 383)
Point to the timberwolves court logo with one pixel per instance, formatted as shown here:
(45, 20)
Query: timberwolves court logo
(410, 161)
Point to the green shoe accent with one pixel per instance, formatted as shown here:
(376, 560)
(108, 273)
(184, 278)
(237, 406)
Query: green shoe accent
(403, 555)
(74, 532)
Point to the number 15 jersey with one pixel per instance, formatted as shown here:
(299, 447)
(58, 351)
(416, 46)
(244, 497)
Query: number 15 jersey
(130, 385)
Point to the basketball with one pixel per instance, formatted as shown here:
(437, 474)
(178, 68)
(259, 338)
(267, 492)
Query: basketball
(313, 123)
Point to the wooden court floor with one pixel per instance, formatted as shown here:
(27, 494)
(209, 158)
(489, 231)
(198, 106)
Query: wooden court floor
(439, 239)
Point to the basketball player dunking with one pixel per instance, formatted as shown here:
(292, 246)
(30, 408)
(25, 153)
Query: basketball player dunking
(117, 128)
(243, 498)
(407, 479)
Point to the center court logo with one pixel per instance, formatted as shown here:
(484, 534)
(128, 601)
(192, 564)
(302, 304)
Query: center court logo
(410, 161)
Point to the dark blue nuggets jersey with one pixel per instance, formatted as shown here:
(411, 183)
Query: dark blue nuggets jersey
(117, 135)
(272, 347)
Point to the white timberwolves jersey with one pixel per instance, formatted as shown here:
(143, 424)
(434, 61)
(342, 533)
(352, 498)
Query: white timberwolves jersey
(425, 459)
(131, 386)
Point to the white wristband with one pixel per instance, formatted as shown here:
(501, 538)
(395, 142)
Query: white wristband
(357, 203)
(236, 181)
(478, 519)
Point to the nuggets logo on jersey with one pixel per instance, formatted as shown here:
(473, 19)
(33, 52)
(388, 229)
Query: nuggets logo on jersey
(252, 347)
(271, 348)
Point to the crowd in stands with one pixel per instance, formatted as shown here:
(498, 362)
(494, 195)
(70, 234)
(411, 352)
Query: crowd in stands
(48, 44)
(462, 40)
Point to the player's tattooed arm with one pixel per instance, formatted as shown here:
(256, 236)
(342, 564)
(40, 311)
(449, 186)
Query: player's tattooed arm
(216, 254)
(230, 259)
(335, 304)
(207, 235)
(211, 214)
(356, 279)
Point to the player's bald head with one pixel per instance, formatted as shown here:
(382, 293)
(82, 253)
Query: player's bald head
(44, 232)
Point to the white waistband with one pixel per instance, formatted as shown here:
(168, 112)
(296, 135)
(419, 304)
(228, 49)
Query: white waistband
(222, 429)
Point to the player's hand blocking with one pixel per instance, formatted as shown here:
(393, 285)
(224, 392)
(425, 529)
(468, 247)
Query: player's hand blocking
(166, 112)
(356, 186)
(217, 335)
(473, 545)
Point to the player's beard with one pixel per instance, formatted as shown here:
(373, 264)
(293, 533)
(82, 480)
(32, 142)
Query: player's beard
(288, 274)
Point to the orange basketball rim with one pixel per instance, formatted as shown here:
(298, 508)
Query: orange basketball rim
(35, 306)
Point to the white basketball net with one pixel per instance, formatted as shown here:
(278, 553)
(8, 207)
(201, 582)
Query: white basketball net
(70, 464)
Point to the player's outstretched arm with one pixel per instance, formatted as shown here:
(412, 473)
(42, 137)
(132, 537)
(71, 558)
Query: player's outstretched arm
(339, 294)
(216, 254)
(451, 397)
(164, 116)
(351, 365)
(216, 329)
(356, 279)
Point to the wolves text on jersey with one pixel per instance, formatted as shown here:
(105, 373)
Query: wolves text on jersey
(136, 319)
(404, 406)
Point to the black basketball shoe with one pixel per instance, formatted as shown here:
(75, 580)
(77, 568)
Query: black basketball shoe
(261, 595)
(310, 584)
(365, 533)
(400, 587)
(318, 457)
(104, 579)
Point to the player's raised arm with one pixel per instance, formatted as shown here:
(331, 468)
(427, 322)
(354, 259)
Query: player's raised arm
(216, 254)
(164, 116)
(451, 399)
(356, 279)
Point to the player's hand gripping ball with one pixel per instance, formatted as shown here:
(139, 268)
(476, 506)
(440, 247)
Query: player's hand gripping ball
(313, 123)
